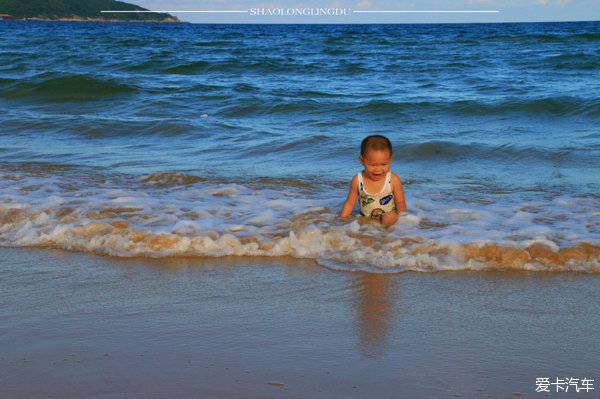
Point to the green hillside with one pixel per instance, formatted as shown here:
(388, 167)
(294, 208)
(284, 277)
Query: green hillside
(77, 9)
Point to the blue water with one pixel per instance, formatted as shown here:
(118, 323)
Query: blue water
(251, 132)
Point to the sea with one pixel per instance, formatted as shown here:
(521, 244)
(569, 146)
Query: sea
(215, 140)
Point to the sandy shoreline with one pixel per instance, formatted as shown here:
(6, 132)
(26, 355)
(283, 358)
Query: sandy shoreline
(78, 325)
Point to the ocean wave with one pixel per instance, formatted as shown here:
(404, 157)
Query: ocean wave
(189, 68)
(305, 93)
(346, 247)
(217, 43)
(526, 37)
(154, 64)
(337, 51)
(170, 179)
(67, 88)
(542, 38)
(252, 106)
(578, 61)
(556, 106)
(250, 66)
(7, 82)
(442, 149)
(592, 36)
(172, 214)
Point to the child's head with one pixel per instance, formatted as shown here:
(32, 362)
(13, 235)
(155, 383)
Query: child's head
(376, 156)
(375, 142)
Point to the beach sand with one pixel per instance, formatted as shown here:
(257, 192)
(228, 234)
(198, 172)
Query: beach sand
(76, 325)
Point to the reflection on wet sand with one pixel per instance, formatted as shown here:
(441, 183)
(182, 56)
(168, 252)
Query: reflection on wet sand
(376, 298)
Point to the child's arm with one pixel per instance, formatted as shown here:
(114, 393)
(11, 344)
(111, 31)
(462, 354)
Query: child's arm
(351, 200)
(398, 194)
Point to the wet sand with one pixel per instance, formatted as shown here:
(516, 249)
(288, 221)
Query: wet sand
(77, 325)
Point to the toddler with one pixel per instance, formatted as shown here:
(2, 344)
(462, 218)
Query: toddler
(388, 198)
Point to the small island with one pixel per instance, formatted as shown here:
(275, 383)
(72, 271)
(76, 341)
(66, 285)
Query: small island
(76, 10)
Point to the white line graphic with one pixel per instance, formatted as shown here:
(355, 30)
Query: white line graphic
(171, 11)
(354, 11)
(426, 11)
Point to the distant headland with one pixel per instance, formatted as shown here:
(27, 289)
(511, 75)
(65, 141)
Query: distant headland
(76, 10)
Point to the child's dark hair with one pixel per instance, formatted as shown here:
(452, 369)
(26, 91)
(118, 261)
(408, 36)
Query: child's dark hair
(375, 142)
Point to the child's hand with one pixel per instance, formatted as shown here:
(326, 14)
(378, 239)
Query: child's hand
(389, 218)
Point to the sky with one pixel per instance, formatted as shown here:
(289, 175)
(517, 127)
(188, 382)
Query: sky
(386, 11)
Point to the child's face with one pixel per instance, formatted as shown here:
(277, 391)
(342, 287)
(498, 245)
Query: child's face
(376, 163)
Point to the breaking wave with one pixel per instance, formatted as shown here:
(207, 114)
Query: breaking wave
(172, 214)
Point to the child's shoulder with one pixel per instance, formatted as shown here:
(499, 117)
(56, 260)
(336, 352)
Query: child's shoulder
(354, 183)
(395, 178)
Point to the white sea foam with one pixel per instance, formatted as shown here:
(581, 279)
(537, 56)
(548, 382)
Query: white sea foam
(188, 217)
(551, 245)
